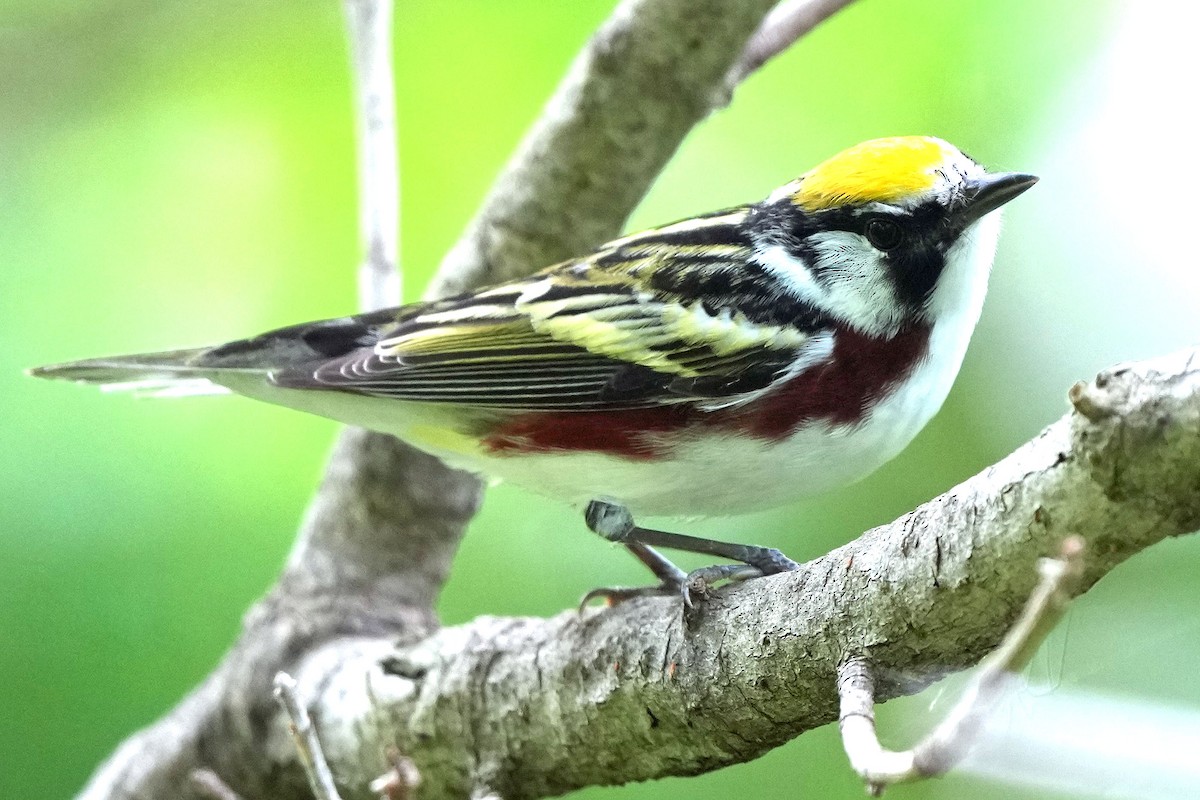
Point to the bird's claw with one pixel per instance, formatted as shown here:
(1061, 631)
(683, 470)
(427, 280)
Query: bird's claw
(615, 595)
(696, 584)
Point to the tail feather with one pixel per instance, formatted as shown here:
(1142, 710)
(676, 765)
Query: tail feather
(169, 372)
(207, 370)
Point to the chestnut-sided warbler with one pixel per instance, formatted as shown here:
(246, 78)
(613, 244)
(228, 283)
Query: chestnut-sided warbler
(728, 362)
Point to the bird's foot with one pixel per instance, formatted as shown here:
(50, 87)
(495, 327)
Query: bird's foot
(615, 523)
(671, 579)
(615, 595)
(690, 586)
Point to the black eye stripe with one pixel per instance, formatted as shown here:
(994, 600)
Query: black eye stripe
(913, 264)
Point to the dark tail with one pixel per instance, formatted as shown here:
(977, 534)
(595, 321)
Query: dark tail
(202, 370)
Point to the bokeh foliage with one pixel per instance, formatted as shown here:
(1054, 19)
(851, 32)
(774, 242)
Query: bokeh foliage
(174, 173)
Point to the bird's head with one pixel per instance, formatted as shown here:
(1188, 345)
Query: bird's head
(887, 233)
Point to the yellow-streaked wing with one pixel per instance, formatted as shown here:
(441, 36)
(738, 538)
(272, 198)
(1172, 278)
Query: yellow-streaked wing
(613, 330)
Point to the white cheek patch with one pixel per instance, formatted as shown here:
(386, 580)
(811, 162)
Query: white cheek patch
(858, 288)
(854, 285)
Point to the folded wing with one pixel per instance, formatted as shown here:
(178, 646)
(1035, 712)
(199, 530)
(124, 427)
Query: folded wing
(624, 328)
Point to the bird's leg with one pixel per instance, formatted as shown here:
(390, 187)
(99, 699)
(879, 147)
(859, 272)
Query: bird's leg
(615, 523)
(671, 579)
(657, 563)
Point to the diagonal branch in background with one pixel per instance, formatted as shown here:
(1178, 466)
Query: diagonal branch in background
(541, 707)
(378, 539)
(643, 81)
(783, 27)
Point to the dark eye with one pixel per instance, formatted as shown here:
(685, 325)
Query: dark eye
(883, 233)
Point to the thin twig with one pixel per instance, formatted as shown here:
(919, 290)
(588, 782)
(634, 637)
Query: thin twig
(308, 745)
(369, 27)
(209, 784)
(786, 23)
(949, 742)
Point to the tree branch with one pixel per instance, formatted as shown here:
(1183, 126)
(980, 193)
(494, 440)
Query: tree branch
(523, 708)
(539, 707)
(644, 80)
(783, 27)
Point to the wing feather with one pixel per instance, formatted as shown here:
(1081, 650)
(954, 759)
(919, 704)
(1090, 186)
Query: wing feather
(650, 319)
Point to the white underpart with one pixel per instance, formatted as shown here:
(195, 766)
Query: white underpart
(957, 300)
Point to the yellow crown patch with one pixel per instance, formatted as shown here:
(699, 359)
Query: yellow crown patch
(881, 170)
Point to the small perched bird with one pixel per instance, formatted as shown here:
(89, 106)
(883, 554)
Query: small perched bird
(725, 363)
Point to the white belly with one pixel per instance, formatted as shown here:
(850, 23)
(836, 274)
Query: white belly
(719, 475)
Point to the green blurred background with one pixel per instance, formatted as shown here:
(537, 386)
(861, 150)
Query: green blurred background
(176, 173)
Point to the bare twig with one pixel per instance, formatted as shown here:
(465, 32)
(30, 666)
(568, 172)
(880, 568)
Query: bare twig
(786, 23)
(369, 26)
(308, 745)
(209, 784)
(949, 742)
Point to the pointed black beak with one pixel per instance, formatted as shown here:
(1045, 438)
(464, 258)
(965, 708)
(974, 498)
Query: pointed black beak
(982, 196)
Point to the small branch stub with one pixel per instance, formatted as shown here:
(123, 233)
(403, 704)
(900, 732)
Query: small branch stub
(401, 781)
(209, 784)
(950, 741)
